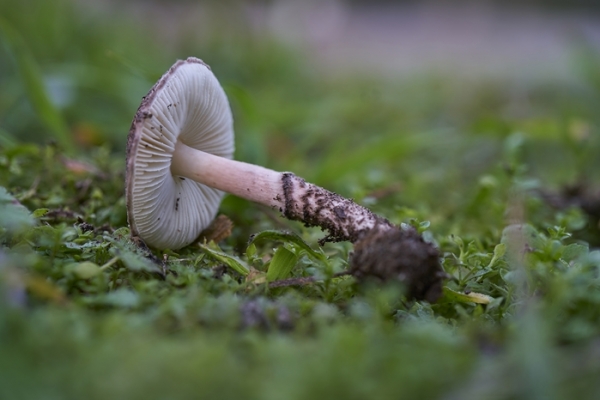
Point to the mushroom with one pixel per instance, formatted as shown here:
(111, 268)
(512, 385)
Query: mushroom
(179, 163)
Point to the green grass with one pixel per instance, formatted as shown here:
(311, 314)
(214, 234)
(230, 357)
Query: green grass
(84, 313)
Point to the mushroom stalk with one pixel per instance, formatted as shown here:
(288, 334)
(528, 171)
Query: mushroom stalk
(295, 198)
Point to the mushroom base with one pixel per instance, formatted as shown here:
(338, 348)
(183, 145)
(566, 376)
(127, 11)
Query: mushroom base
(342, 218)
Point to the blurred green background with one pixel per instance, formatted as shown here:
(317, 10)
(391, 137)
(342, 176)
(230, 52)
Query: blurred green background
(411, 102)
(349, 87)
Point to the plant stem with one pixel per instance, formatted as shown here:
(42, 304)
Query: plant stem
(110, 262)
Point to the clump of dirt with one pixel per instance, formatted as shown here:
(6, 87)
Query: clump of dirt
(218, 230)
(399, 255)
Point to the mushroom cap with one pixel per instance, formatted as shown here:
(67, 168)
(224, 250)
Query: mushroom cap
(187, 104)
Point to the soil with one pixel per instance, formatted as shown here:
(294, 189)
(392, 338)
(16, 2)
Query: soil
(218, 230)
(265, 316)
(401, 255)
(585, 197)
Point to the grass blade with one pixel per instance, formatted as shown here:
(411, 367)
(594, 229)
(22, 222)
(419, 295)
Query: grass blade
(232, 262)
(473, 297)
(281, 264)
(292, 238)
(34, 86)
(7, 139)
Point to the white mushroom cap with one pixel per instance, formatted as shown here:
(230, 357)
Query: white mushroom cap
(189, 105)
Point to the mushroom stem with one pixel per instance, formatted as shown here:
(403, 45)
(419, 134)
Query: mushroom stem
(291, 195)
(245, 180)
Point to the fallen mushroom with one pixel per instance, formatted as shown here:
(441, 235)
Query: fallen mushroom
(179, 152)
